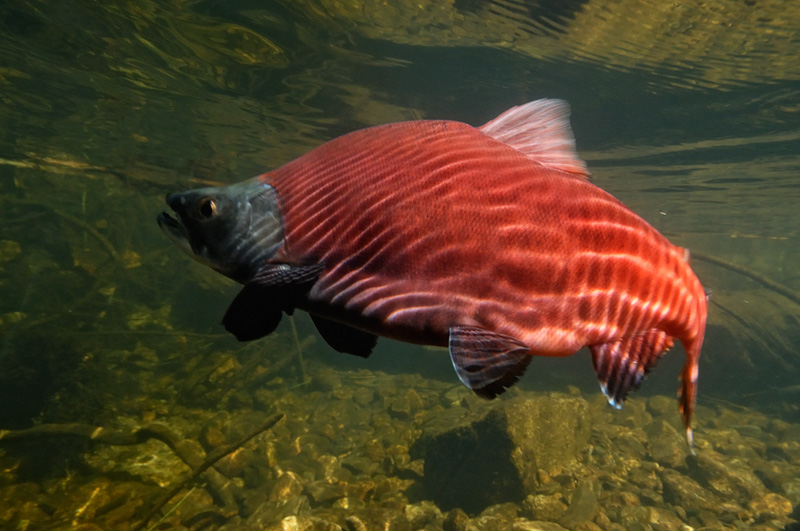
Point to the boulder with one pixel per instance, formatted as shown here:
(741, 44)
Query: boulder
(494, 455)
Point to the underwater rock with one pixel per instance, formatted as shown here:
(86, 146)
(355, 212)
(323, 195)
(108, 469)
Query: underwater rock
(90, 498)
(665, 445)
(730, 480)
(661, 519)
(211, 438)
(682, 491)
(661, 406)
(496, 457)
(633, 415)
(583, 506)
(359, 464)
(544, 506)
(456, 520)
(273, 511)
(304, 523)
(770, 506)
(791, 489)
(423, 514)
(354, 523)
(654, 518)
(372, 517)
(286, 487)
(323, 490)
(526, 525)
(405, 406)
(12, 516)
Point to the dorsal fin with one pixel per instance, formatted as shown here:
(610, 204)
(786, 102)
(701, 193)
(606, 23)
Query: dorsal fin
(540, 129)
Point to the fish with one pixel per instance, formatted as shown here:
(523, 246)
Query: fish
(491, 241)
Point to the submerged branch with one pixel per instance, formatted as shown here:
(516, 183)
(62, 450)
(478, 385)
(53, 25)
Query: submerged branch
(187, 450)
(758, 277)
(210, 461)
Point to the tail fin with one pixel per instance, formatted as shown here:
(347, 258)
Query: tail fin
(689, 374)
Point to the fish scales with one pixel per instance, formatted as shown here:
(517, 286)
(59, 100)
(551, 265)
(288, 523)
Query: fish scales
(519, 251)
(489, 240)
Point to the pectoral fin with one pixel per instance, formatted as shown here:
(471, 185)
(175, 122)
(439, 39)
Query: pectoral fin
(487, 362)
(343, 338)
(622, 365)
(257, 309)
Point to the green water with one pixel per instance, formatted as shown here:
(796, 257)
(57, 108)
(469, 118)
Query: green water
(688, 113)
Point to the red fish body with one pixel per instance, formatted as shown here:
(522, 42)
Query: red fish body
(489, 240)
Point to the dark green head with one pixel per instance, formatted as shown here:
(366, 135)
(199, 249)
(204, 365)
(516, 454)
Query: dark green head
(233, 229)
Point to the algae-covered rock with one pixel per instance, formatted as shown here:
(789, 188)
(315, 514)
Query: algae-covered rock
(682, 491)
(583, 507)
(730, 480)
(496, 457)
(665, 445)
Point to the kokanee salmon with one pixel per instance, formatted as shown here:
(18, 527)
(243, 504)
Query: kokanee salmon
(490, 240)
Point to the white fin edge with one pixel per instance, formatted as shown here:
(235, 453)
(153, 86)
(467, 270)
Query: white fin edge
(540, 129)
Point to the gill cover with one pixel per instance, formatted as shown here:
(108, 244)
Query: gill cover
(233, 229)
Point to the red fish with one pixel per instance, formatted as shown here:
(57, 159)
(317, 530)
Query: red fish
(490, 240)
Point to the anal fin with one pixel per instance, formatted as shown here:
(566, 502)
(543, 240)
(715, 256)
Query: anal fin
(257, 309)
(621, 365)
(343, 338)
(485, 361)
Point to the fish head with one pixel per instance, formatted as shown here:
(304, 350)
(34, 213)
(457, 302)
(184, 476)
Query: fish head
(233, 229)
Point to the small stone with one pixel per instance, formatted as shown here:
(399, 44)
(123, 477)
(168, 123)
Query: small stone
(211, 438)
(286, 487)
(423, 514)
(528, 525)
(456, 520)
(297, 523)
(274, 512)
(791, 489)
(323, 491)
(354, 523)
(359, 464)
(383, 518)
(349, 503)
(770, 506)
(544, 507)
(661, 519)
(729, 480)
(587, 526)
(582, 507)
(685, 492)
(633, 415)
(630, 515)
(23, 512)
(84, 503)
(665, 445)
(405, 406)
(661, 406)
(489, 523)
(374, 451)
(363, 396)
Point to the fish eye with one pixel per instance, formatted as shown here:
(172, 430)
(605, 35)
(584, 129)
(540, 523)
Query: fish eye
(206, 208)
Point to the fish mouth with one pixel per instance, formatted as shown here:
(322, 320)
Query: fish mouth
(175, 231)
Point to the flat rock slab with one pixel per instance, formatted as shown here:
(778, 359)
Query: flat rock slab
(495, 455)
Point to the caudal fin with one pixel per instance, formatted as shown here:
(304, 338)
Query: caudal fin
(688, 392)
